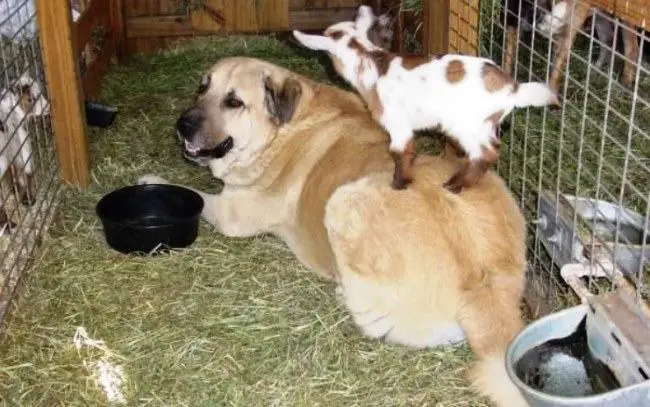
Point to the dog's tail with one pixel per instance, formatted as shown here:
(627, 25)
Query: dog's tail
(535, 94)
(491, 318)
(490, 379)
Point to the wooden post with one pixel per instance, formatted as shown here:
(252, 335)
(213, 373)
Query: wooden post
(66, 95)
(435, 14)
(118, 26)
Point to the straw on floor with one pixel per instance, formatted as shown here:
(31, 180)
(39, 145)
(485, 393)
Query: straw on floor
(225, 322)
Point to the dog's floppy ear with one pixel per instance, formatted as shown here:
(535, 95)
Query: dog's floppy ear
(281, 101)
(315, 42)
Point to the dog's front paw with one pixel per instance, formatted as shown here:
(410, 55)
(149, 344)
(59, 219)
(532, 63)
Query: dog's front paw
(151, 179)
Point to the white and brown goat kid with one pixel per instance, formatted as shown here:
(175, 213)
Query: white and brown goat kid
(16, 153)
(465, 97)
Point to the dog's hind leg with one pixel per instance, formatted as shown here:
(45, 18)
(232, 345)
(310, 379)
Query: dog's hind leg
(490, 318)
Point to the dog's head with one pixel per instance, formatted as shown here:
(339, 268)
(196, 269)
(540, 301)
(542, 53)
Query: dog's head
(241, 104)
(347, 42)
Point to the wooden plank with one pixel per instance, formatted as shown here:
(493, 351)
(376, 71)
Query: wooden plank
(117, 27)
(137, 8)
(435, 14)
(463, 26)
(96, 11)
(67, 108)
(345, 3)
(635, 12)
(244, 16)
(145, 44)
(159, 26)
(169, 7)
(274, 15)
(210, 20)
(96, 70)
(319, 19)
(316, 4)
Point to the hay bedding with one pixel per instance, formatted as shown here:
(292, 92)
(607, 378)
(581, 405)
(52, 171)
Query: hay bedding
(226, 322)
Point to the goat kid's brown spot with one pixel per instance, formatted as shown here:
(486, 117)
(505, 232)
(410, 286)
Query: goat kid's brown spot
(335, 35)
(496, 79)
(381, 58)
(455, 71)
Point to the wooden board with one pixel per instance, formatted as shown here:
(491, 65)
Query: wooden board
(635, 12)
(463, 26)
(63, 78)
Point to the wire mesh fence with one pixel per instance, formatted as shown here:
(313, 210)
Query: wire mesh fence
(581, 173)
(28, 163)
(463, 20)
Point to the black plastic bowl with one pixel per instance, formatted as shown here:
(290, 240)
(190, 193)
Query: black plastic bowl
(150, 218)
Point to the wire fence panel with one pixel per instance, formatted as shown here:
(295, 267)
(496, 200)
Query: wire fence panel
(28, 163)
(581, 173)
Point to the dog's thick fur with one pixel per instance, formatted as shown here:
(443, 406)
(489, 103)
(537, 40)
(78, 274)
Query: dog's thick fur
(420, 267)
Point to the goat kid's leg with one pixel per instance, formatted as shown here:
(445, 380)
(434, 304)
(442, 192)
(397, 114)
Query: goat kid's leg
(402, 145)
(576, 18)
(473, 170)
(631, 50)
(453, 149)
(403, 173)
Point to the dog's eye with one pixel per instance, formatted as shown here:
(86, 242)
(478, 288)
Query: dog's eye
(232, 102)
(204, 85)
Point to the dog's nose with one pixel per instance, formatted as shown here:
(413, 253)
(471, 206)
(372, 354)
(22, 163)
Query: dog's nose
(189, 123)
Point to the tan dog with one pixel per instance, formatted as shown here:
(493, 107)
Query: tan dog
(306, 162)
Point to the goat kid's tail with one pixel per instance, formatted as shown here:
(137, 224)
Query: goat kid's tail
(535, 94)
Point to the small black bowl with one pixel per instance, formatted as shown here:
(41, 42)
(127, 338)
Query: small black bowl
(150, 218)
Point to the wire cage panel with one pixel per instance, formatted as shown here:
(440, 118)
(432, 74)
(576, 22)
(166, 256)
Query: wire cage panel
(28, 161)
(580, 173)
(463, 26)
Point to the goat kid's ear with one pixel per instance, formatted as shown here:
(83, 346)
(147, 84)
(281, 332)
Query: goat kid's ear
(315, 42)
(365, 19)
(281, 101)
